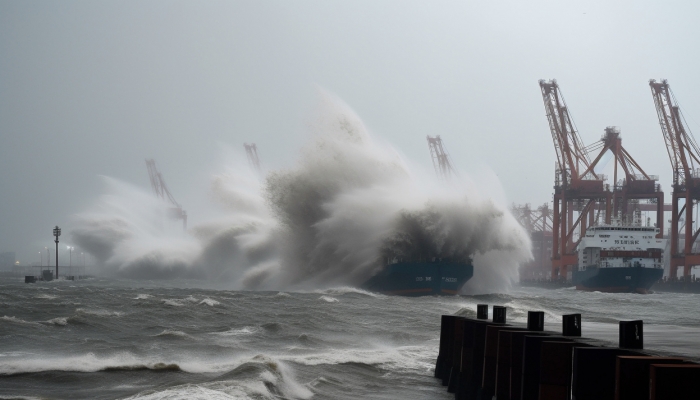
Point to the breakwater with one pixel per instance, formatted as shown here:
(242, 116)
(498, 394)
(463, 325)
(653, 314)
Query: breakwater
(485, 359)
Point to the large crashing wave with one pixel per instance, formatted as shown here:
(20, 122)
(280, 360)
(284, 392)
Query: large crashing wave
(348, 204)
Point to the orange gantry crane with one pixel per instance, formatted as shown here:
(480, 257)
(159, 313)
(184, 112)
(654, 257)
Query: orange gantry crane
(636, 185)
(684, 154)
(441, 160)
(162, 192)
(576, 184)
(579, 188)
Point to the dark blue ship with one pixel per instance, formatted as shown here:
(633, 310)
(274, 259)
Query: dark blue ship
(617, 280)
(421, 278)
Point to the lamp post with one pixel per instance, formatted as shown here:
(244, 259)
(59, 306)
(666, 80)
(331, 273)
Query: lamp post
(48, 257)
(41, 259)
(57, 233)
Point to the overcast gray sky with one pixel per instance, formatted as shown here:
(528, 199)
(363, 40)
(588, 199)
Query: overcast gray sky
(93, 88)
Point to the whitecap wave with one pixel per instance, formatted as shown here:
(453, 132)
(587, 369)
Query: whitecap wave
(60, 321)
(174, 334)
(248, 330)
(209, 302)
(99, 312)
(142, 297)
(392, 358)
(261, 377)
(87, 363)
(173, 302)
(328, 299)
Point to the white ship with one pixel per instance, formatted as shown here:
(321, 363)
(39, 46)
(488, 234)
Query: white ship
(619, 258)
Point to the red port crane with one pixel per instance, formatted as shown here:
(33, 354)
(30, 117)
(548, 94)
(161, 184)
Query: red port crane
(577, 186)
(162, 192)
(441, 160)
(637, 184)
(684, 154)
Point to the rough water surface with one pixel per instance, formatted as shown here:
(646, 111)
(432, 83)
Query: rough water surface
(107, 339)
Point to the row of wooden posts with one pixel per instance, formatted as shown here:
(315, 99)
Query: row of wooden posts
(485, 360)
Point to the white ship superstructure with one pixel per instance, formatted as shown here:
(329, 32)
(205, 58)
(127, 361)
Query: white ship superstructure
(611, 246)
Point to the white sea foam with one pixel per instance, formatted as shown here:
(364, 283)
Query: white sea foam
(61, 321)
(248, 330)
(173, 302)
(45, 296)
(392, 358)
(328, 299)
(209, 302)
(341, 290)
(99, 312)
(142, 297)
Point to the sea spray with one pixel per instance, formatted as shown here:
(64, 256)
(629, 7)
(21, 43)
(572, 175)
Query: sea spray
(349, 204)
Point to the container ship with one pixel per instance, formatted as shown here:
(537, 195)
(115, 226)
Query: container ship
(421, 278)
(619, 259)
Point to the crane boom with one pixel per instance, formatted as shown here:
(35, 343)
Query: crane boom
(251, 151)
(681, 147)
(162, 192)
(572, 158)
(441, 160)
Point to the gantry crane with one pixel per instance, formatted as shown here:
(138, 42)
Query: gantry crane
(251, 151)
(684, 154)
(441, 160)
(577, 185)
(538, 224)
(162, 192)
(637, 184)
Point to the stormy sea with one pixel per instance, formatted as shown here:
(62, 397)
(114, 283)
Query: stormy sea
(260, 297)
(109, 339)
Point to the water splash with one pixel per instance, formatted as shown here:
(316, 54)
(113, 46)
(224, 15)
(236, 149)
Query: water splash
(348, 204)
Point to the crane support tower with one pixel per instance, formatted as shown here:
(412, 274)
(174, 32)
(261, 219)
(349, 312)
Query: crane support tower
(162, 192)
(441, 160)
(684, 154)
(636, 185)
(251, 150)
(577, 187)
(538, 224)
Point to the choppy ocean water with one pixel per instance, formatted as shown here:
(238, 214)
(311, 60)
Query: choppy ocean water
(111, 339)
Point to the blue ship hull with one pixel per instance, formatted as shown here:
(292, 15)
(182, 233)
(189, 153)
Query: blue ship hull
(617, 280)
(421, 278)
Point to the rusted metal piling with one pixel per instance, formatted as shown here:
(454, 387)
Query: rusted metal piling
(484, 360)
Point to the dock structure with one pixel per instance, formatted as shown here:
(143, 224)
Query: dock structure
(482, 359)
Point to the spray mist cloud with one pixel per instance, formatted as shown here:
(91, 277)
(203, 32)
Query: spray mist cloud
(347, 205)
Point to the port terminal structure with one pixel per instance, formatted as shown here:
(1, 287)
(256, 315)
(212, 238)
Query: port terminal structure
(441, 158)
(538, 224)
(251, 151)
(579, 188)
(162, 192)
(684, 154)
